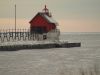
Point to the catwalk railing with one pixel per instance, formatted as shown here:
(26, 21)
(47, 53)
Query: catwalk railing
(20, 34)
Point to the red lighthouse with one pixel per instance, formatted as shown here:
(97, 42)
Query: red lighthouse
(43, 22)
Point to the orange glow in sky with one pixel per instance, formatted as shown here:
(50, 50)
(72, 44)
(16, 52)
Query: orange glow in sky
(72, 15)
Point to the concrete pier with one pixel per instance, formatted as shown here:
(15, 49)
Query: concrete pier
(39, 46)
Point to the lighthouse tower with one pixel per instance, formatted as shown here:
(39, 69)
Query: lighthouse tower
(44, 24)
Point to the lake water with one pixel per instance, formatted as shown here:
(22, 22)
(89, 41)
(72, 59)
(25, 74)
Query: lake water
(84, 60)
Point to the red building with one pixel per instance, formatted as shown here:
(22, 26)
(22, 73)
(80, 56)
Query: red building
(43, 22)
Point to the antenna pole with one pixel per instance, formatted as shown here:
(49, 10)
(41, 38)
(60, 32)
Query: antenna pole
(15, 21)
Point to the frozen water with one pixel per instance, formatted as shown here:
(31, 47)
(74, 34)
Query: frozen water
(83, 60)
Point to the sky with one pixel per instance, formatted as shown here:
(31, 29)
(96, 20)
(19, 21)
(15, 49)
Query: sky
(72, 15)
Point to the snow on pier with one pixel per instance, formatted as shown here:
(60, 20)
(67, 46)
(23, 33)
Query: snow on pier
(25, 39)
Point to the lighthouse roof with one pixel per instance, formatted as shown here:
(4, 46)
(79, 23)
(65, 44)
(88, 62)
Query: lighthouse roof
(45, 16)
(48, 18)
